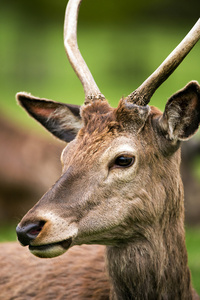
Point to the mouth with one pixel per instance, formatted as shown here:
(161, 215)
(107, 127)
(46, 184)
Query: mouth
(51, 250)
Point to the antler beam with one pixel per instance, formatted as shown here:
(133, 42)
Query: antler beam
(91, 90)
(143, 94)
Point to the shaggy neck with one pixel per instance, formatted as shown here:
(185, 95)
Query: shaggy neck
(151, 269)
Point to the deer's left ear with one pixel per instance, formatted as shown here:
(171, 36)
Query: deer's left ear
(181, 117)
(62, 120)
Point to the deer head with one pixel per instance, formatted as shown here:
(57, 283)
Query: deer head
(120, 175)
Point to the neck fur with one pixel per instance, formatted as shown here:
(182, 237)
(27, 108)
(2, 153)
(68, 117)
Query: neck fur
(151, 269)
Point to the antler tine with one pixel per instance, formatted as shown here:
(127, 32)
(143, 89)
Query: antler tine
(143, 94)
(91, 90)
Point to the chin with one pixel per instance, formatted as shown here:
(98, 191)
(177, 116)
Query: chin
(50, 250)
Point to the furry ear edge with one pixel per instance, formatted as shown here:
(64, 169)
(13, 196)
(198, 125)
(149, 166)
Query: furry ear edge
(181, 117)
(62, 120)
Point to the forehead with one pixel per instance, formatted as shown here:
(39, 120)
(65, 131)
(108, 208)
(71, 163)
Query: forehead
(92, 140)
(103, 129)
(99, 128)
(86, 153)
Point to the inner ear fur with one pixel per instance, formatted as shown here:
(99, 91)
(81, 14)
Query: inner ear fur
(181, 117)
(62, 120)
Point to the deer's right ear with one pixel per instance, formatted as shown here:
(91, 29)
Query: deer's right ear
(62, 120)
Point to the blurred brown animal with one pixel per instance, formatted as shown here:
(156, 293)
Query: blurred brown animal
(52, 279)
(120, 187)
(190, 156)
(29, 165)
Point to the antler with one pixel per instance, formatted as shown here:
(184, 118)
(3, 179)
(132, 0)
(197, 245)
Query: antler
(91, 90)
(143, 94)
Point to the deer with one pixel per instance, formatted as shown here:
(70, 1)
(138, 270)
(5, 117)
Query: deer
(118, 207)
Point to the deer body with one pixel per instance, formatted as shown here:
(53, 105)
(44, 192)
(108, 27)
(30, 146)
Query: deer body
(72, 276)
(120, 184)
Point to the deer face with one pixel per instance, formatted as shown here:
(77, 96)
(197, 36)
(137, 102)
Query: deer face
(86, 204)
(116, 171)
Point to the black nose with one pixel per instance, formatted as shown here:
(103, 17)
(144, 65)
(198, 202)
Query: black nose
(29, 232)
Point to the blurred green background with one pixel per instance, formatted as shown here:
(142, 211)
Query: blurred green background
(123, 42)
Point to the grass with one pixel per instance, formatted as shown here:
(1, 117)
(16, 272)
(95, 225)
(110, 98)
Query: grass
(193, 246)
(7, 233)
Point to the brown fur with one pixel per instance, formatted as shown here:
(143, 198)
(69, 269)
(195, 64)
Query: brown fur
(120, 187)
(137, 211)
(69, 277)
(147, 272)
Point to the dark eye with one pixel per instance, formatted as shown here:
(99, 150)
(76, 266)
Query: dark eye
(124, 161)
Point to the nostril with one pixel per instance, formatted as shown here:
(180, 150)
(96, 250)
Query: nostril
(35, 229)
(29, 232)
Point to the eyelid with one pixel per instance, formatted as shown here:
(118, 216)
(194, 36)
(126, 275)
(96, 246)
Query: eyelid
(126, 154)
